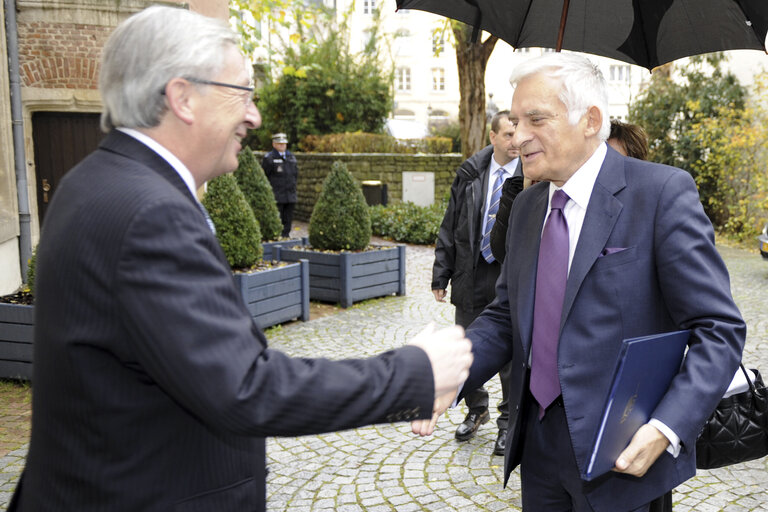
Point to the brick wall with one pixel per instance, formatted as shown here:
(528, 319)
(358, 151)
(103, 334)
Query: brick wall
(60, 55)
(387, 168)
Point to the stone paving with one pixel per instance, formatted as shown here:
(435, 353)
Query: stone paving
(386, 468)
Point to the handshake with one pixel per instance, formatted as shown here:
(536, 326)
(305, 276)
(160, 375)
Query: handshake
(450, 354)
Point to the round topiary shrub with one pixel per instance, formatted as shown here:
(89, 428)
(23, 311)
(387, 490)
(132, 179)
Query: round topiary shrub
(236, 226)
(258, 192)
(340, 218)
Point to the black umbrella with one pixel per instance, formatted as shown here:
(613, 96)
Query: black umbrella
(643, 32)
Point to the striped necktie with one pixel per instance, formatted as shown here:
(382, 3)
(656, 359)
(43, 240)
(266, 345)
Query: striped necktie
(493, 208)
(207, 217)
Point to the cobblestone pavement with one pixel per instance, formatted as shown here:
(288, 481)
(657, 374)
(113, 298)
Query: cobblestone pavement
(386, 468)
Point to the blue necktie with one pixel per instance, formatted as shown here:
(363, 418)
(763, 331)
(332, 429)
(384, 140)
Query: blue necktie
(207, 218)
(493, 208)
(551, 277)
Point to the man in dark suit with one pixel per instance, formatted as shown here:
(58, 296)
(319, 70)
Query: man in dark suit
(154, 388)
(463, 256)
(282, 172)
(639, 258)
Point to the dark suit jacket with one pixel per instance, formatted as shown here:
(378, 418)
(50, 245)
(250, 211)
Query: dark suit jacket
(645, 263)
(283, 175)
(153, 387)
(457, 249)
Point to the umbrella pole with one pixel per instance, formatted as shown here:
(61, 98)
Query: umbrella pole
(563, 17)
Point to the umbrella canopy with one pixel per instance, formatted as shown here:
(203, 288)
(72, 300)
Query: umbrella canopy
(643, 32)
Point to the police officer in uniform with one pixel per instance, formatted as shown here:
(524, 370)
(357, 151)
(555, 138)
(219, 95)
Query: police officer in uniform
(282, 172)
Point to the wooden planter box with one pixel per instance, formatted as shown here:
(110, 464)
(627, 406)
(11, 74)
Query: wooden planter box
(16, 337)
(273, 296)
(270, 253)
(350, 277)
(276, 295)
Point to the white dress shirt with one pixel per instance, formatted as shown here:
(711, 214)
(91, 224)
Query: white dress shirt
(509, 169)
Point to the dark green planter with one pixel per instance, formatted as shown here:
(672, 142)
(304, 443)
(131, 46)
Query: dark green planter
(16, 341)
(276, 295)
(349, 277)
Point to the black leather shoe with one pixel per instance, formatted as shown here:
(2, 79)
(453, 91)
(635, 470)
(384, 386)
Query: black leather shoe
(501, 442)
(472, 422)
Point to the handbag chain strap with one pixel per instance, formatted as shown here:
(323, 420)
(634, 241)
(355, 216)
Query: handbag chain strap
(749, 381)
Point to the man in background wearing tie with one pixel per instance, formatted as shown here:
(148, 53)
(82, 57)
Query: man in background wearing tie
(463, 255)
(283, 173)
(605, 248)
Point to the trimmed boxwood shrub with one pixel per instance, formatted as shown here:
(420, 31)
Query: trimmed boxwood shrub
(236, 226)
(407, 222)
(31, 268)
(340, 218)
(258, 192)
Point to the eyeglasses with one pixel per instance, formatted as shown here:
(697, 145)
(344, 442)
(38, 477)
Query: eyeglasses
(247, 98)
(248, 88)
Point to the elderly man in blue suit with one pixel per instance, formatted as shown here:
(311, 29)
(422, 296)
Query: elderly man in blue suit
(606, 248)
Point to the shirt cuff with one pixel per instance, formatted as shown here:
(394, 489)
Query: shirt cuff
(458, 392)
(674, 440)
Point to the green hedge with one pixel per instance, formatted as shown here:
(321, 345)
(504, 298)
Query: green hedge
(359, 142)
(407, 222)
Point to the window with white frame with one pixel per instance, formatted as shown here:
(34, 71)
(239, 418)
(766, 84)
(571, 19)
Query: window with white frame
(403, 42)
(438, 79)
(438, 43)
(403, 79)
(369, 6)
(618, 73)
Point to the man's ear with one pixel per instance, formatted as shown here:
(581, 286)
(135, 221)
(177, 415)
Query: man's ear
(180, 99)
(594, 121)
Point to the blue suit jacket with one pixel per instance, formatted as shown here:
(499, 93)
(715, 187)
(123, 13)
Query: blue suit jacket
(154, 388)
(645, 263)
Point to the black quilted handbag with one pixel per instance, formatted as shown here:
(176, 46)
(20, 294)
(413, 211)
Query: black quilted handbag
(738, 429)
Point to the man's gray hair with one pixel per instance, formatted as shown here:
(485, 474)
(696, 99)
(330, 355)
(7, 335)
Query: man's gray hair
(582, 82)
(149, 49)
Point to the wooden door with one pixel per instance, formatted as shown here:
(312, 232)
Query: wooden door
(61, 140)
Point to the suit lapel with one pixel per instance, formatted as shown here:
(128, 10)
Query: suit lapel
(528, 250)
(602, 212)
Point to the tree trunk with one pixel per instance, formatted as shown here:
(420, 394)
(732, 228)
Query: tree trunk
(471, 60)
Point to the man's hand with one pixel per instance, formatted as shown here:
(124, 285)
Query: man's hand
(450, 354)
(439, 295)
(646, 446)
(426, 427)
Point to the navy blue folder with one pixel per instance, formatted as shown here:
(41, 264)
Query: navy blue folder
(644, 371)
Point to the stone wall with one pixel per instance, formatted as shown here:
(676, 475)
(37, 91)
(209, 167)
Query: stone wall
(387, 168)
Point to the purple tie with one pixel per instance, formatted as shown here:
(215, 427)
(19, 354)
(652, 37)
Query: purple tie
(551, 276)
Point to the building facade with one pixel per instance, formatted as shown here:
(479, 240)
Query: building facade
(58, 51)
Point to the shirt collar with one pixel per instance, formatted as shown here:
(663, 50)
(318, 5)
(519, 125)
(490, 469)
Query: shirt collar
(509, 168)
(166, 155)
(579, 186)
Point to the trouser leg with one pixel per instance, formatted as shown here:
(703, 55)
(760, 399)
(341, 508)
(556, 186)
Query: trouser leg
(504, 376)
